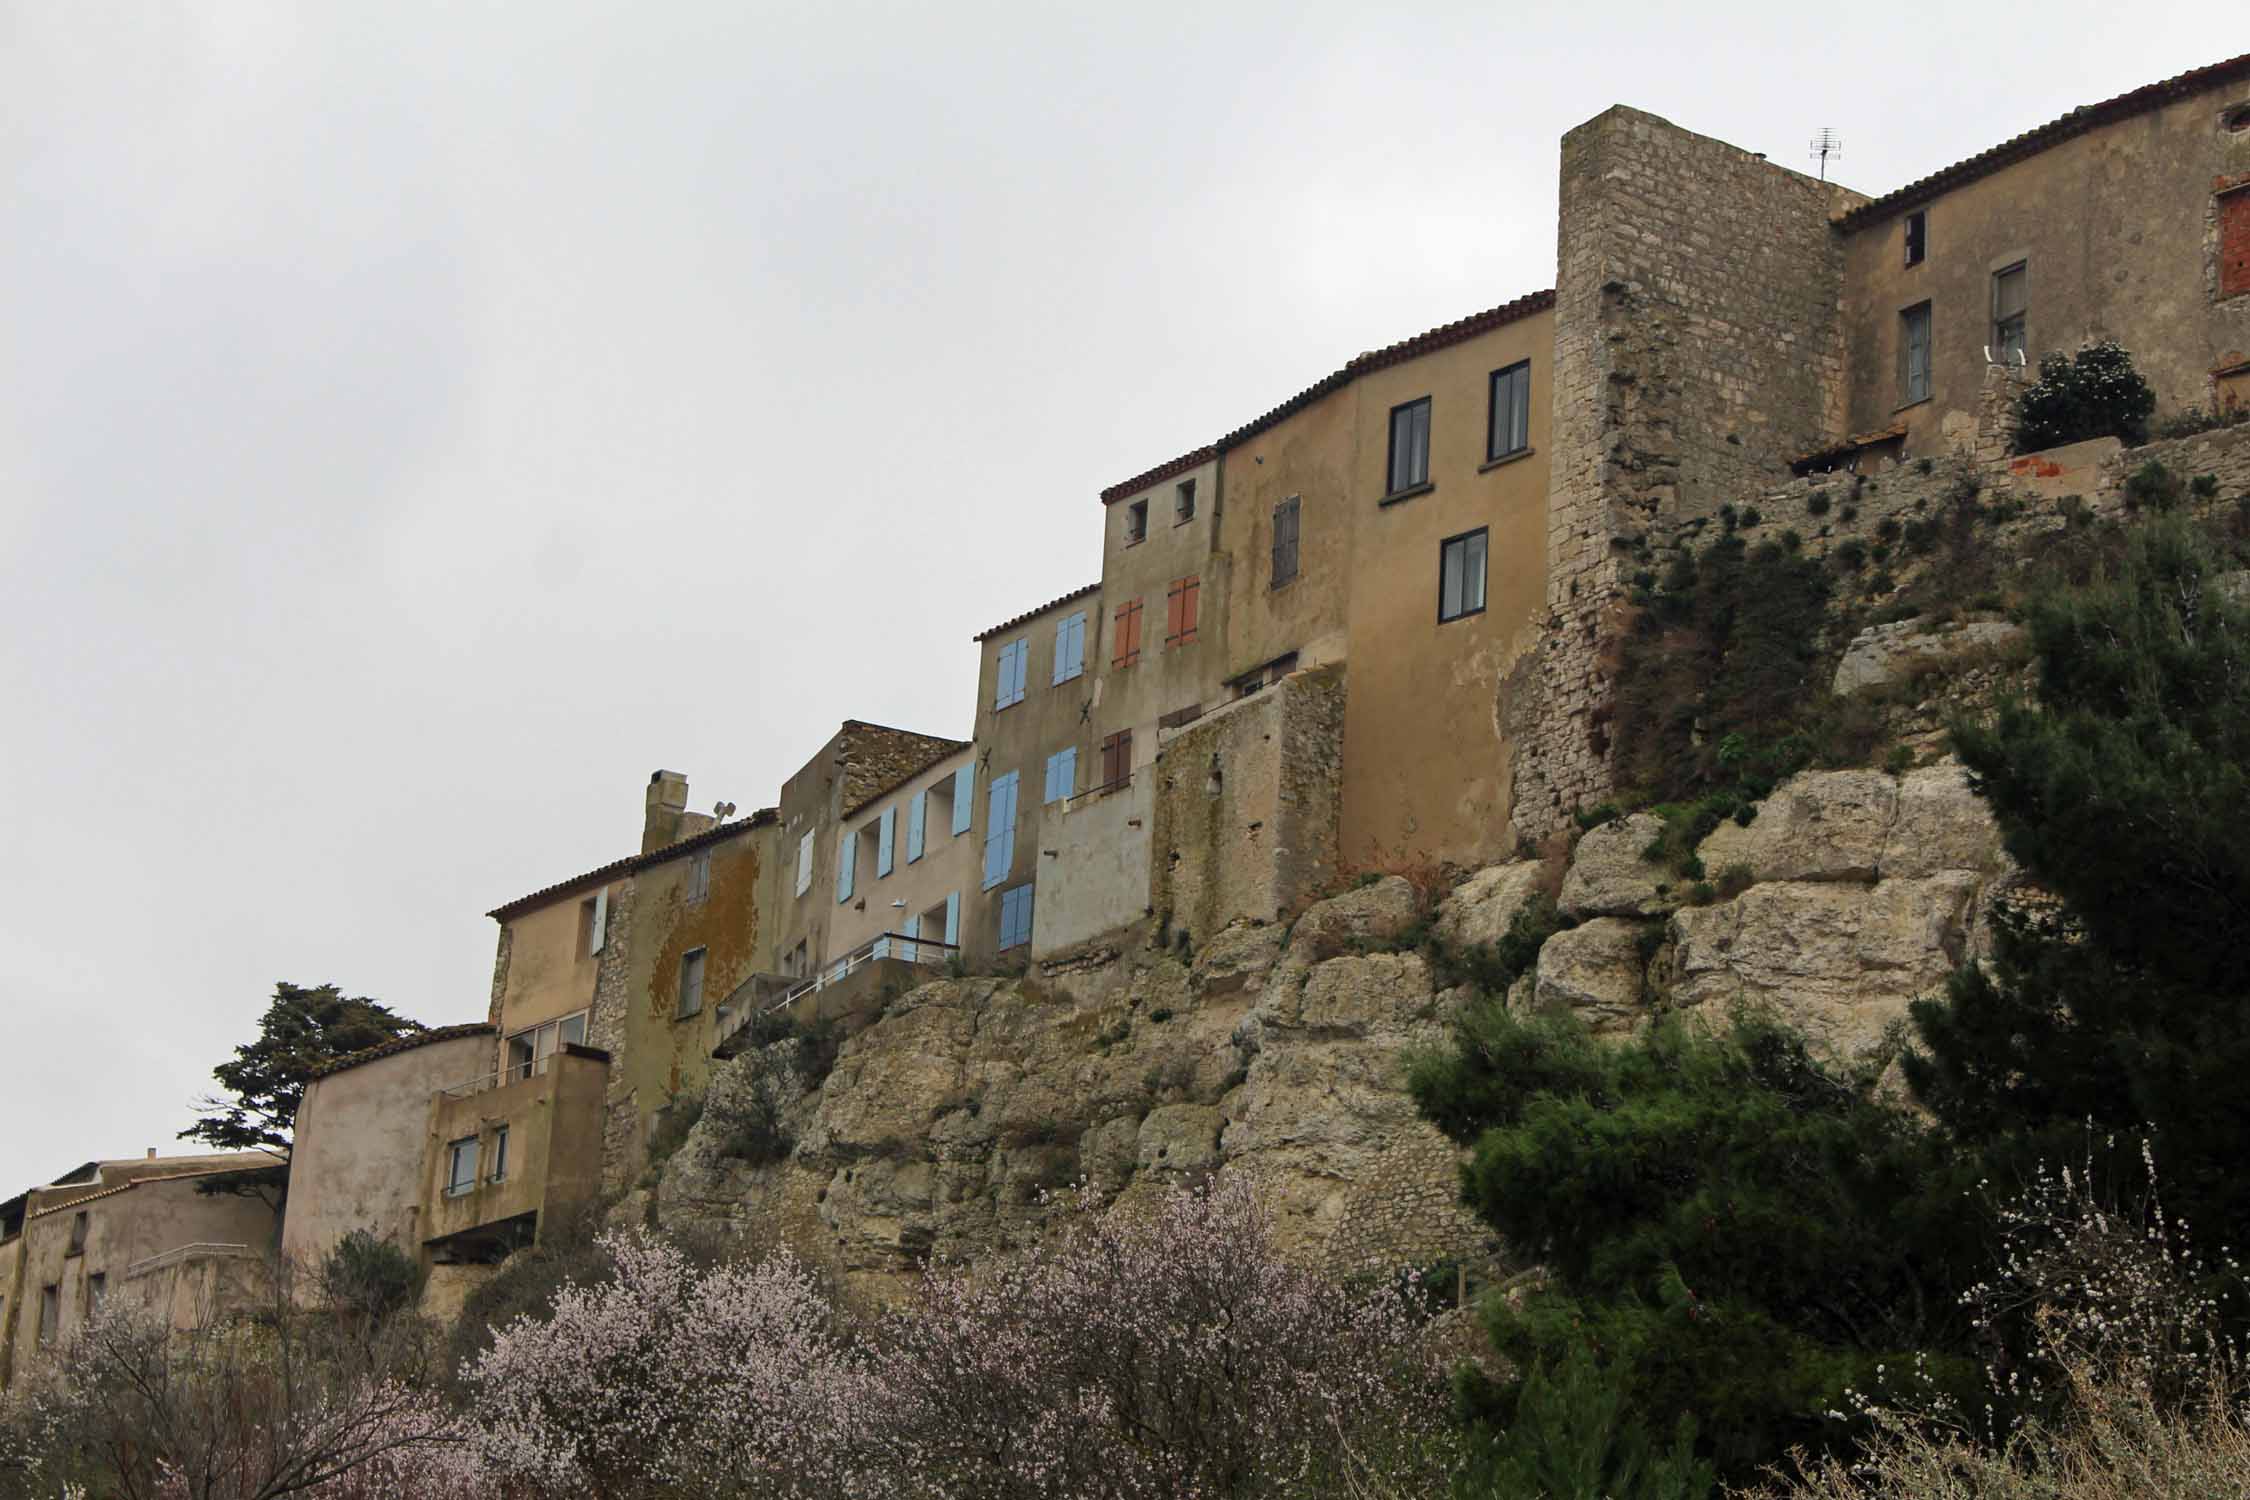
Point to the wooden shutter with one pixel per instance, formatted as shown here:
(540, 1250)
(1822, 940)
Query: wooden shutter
(917, 814)
(953, 918)
(598, 933)
(964, 788)
(1125, 646)
(1117, 758)
(1190, 591)
(847, 847)
(885, 827)
(2234, 241)
(1284, 541)
(1000, 829)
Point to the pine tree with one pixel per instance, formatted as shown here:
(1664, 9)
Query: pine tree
(301, 1029)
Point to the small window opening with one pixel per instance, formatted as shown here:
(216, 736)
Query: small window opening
(1917, 236)
(1136, 522)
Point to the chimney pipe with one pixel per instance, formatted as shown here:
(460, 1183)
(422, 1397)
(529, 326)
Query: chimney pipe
(667, 802)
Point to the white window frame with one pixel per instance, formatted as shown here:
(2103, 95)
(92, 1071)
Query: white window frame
(696, 962)
(458, 1152)
(546, 1039)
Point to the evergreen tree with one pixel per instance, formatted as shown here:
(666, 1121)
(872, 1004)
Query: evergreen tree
(2123, 792)
(302, 1029)
(1732, 1229)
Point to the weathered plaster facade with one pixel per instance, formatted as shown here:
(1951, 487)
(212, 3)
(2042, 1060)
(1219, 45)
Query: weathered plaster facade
(921, 885)
(1148, 550)
(551, 1163)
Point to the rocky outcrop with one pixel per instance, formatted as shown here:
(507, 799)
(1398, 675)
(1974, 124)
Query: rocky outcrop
(1889, 655)
(1610, 878)
(1480, 909)
(1861, 826)
(1596, 969)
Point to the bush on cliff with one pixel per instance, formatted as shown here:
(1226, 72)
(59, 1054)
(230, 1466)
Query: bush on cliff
(1732, 1231)
(2094, 393)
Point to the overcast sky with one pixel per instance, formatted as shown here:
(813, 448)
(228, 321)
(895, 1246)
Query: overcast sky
(419, 422)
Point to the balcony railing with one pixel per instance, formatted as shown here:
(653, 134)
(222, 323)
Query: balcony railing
(200, 1250)
(922, 952)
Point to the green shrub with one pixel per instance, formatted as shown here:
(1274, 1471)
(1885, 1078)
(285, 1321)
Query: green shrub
(2094, 393)
(1816, 503)
(368, 1276)
(674, 1122)
(1851, 554)
(2153, 487)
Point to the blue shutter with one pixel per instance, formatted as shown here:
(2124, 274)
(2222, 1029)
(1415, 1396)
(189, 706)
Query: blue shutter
(953, 917)
(1000, 830)
(846, 847)
(885, 828)
(964, 788)
(1070, 647)
(917, 811)
(1062, 775)
(911, 927)
(1023, 660)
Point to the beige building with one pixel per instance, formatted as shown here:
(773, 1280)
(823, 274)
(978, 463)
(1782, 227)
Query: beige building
(365, 1132)
(143, 1232)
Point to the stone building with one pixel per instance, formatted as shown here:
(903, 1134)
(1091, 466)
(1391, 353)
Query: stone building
(144, 1231)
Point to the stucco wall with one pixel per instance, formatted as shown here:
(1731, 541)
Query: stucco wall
(554, 1121)
(1093, 866)
(1163, 681)
(1311, 454)
(548, 972)
(1245, 806)
(1050, 717)
(948, 864)
(362, 1139)
(2119, 233)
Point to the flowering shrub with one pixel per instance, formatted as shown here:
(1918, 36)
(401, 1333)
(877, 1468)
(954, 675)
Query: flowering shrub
(2096, 393)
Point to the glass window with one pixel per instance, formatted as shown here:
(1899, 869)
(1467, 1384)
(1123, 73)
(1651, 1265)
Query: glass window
(1183, 502)
(1461, 576)
(1410, 445)
(461, 1167)
(699, 878)
(2011, 304)
(500, 1154)
(691, 983)
(1511, 411)
(1917, 236)
(1136, 522)
(1914, 353)
(1284, 541)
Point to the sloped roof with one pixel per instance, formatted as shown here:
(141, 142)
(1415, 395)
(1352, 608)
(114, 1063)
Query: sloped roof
(407, 1043)
(603, 874)
(1032, 614)
(2080, 120)
(1160, 473)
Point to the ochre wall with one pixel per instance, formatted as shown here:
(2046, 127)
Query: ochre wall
(2119, 232)
(549, 972)
(1165, 680)
(1310, 454)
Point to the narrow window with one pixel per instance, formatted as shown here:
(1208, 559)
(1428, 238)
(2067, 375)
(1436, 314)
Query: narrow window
(1917, 236)
(964, 784)
(847, 855)
(500, 1154)
(1410, 445)
(699, 879)
(917, 820)
(1015, 917)
(2234, 240)
(2011, 301)
(1070, 647)
(1510, 431)
(886, 840)
(691, 983)
(77, 1233)
(50, 1313)
(1117, 760)
(1461, 576)
(1136, 522)
(1914, 353)
(1062, 776)
(804, 862)
(570, 1031)
(461, 1167)
(1284, 542)
(1183, 501)
(1180, 605)
(593, 921)
(1125, 638)
(97, 1289)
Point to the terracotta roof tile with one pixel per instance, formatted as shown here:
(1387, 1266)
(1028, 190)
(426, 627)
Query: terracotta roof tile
(1814, 457)
(407, 1043)
(2080, 120)
(1397, 354)
(1160, 473)
(1032, 614)
(245, 1165)
(603, 874)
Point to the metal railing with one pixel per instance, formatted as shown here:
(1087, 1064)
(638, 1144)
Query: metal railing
(927, 952)
(180, 1253)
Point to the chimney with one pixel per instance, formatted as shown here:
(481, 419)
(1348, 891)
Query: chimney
(667, 802)
(152, 1153)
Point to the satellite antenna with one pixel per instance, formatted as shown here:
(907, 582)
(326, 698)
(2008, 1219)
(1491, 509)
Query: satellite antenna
(1826, 143)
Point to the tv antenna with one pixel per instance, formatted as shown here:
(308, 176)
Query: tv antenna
(1825, 144)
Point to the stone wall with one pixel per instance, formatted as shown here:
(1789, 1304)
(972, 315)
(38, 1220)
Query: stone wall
(1244, 823)
(876, 758)
(606, 1031)
(1698, 350)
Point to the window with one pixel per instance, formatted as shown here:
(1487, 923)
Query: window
(1180, 603)
(886, 842)
(1917, 236)
(97, 1291)
(50, 1313)
(1136, 522)
(917, 819)
(1284, 542)
(1117, 760)
(2234, 240)
(529, 1049)
(1510, 429)
(699, 879)
(691, 984)
(1461, 576)
(1015, 917)
(1008, 673)
(593, 921)
(1183, 502)
(1914, 353)
(804, 863)
(1180, 716)
(847, 859)
(2011, 298)
(1070, 647)
(1000, 829)
(1062, 776)
(964, 786)
(500, 1154)
(1125, 638)
(77, 1234)
(1410, 445)
(1259, 678)
(461, 1167)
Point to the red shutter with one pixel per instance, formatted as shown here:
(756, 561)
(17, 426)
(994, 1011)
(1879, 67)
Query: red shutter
(1172, 598)
(1125, 647)
(1191, 590)
(2234, 241)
